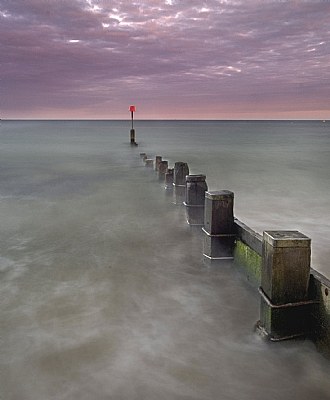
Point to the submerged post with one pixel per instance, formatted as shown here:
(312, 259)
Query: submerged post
(158, 159)
(132, 109)
(169, 180)
(195, 199)
(149, 162)
(219, 231)
(285, 307)
(181, 170)
(162, 169)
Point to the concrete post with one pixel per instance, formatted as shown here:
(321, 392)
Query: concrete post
(219, 230)
(195, 199)
(285, 307)
(162, 169)
(158, 159)
(181, 170)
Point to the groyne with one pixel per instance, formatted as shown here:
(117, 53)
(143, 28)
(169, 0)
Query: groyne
(294, 298)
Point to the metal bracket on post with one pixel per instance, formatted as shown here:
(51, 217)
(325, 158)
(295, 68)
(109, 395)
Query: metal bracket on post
(287, 321)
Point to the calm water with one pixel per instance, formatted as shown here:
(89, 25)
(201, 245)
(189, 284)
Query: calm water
(103, 294)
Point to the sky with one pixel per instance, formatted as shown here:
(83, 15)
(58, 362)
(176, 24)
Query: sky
(173, 59)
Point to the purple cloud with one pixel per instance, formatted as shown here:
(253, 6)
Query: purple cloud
(212, 58)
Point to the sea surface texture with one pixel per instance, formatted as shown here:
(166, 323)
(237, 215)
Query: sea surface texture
(103, 292)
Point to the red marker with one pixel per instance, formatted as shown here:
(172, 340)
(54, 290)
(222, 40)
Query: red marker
(132, 109)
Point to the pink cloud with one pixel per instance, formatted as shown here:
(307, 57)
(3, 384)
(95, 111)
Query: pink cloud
(90, 58)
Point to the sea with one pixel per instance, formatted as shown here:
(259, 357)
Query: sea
(103, 290)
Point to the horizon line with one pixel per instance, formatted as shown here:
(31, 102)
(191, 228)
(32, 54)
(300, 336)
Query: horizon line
(164, 119)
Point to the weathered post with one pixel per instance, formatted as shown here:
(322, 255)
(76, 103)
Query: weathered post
(149, 162)
(219, 230)
(195, 199)
(169, 181)
(285, 307)
(132, 109)
(181, 170)
(158, 159)
(162, 169)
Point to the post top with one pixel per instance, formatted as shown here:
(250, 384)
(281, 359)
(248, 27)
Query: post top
(286, 239)
(195, 178)
(219, 195)
(179, 164)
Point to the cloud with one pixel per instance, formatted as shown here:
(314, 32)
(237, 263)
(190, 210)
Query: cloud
(93, 56)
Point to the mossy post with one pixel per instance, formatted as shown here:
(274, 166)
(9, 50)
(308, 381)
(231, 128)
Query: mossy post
(195, 199)
(285, 307)
(219, 230)
(181, 170)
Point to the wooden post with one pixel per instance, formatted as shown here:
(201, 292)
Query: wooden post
(162, 169)
(285, 307)
(181, 170)
(219, 232)
(149, 162)
(195, 199)
(158, 159)
(169, 180)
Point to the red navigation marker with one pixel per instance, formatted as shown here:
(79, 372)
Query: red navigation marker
(132, 109)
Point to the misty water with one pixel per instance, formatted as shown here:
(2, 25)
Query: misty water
(103, 292)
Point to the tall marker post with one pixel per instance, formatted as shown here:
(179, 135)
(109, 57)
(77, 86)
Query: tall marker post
(132, 109)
